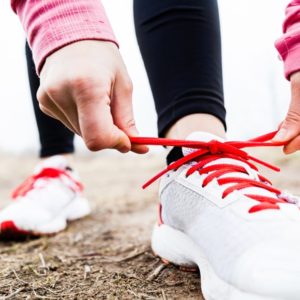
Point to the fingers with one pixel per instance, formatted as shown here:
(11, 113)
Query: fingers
(48, 106)
(122, 111)
(90, 117)
(289, 132)
(289, 129)
(292, 146)
(96, 123)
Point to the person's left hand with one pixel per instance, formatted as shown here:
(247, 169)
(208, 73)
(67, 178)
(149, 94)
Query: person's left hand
(289, 129)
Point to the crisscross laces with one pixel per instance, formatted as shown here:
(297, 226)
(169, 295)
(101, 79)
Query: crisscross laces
(46, 174)
(238, 163)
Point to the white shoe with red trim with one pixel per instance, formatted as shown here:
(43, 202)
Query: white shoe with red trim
(45, 202)
(219, 214)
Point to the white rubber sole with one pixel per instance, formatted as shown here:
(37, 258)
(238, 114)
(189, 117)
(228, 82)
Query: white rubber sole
(176, 247)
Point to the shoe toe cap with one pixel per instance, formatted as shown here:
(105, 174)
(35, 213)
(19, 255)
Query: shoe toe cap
(271, 269)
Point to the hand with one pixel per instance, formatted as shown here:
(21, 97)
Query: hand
(289, 129)
(86, 86)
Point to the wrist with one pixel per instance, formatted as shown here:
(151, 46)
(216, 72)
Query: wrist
(51, 27)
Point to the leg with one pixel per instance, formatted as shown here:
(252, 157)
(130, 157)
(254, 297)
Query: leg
(211, 200)
(55, 138)
(181, 47)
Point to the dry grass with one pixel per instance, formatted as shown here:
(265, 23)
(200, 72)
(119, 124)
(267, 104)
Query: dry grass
(107, 255)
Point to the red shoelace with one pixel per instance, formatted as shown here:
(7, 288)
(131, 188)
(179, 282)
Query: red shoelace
(46, 173)
(207, 152)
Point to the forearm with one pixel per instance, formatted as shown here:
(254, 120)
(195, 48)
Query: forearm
(289, 44)
(53, 24)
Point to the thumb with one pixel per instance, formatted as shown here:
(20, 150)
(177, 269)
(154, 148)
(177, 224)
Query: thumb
(122, 111)
(96, 125)
(289, 128)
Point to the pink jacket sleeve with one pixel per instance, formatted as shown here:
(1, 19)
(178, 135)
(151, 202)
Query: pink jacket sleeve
(289, 44)
(52, 24)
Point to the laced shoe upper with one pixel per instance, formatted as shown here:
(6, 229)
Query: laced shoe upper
(224, 165)
(42, 196)
(49, 172)
(216, 196)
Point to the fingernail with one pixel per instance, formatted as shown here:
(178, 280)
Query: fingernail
(281, 134)
(134, 132)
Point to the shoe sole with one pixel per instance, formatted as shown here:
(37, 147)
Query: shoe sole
(175, 247)
(77, 209)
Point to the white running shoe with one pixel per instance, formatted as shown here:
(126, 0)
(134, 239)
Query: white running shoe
(219, 214)
(44, 203)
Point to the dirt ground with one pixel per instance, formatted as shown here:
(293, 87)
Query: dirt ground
(107, 255)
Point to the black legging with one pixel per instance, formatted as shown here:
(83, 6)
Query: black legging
(55, 138)
(181, 48)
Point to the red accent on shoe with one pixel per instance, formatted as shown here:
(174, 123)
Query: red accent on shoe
(46, 173)
(9, 230)
(210, 151)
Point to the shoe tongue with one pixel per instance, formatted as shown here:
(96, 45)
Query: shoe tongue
(56, 162)
(207, 137)
(201, 137)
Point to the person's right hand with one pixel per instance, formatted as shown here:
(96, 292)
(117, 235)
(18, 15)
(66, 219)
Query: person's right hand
(289, 129)
(86, 86)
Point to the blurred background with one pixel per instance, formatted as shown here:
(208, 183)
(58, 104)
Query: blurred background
(257, 95)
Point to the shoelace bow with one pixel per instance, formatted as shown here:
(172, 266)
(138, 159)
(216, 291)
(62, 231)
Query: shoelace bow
(207, 152)
(46, 173)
